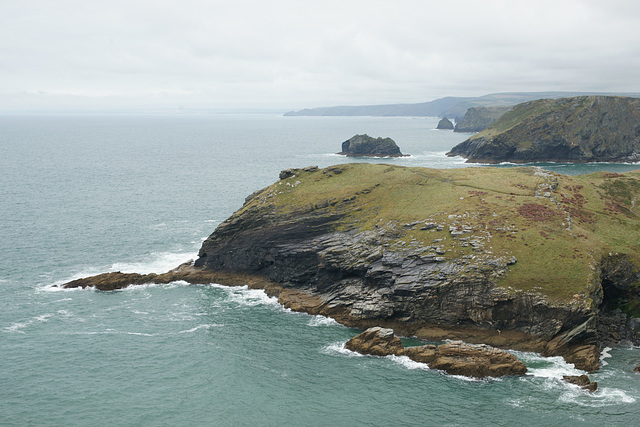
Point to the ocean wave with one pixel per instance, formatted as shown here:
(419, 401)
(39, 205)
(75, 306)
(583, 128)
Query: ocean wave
(205, 326)
(408, 363)
(338, 349)
(160, 262)
(244, 296)
(605, 355)
(546, 367)
(17, 327)
(320, 320)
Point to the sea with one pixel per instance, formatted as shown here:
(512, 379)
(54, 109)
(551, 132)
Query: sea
(87, 194)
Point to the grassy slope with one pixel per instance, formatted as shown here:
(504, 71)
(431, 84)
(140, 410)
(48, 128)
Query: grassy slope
(500, 203)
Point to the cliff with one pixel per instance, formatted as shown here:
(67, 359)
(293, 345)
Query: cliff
(579, 129)
(515, 258)
(477, 119)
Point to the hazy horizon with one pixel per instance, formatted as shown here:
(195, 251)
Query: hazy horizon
(288, 55)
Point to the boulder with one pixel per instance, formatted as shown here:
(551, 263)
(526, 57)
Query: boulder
(581, 381)
(376, 341)
(445, 124)
(476, 360)
(367, 146)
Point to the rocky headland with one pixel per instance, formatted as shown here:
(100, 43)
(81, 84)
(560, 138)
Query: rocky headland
(579, 130)
(514, 258)
(477, 119)
(367, 146)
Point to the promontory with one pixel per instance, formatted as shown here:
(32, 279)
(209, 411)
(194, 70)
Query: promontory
(577, 130)
(516, 258)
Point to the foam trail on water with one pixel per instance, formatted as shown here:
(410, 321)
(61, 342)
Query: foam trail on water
(206, 326)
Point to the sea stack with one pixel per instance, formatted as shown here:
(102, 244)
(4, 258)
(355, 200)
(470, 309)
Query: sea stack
(367, 146)
(445, 124)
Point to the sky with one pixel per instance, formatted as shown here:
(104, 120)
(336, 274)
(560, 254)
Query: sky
(281, 54)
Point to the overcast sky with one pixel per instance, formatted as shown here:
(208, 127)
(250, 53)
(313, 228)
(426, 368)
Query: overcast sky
(297, 54)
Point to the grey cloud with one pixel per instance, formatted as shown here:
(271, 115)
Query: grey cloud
(292, 54)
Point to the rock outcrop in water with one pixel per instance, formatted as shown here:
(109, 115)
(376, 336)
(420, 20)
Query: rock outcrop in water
(578, 130)
(445, 124)
(367, 146)
(515, 258)
(455, 357)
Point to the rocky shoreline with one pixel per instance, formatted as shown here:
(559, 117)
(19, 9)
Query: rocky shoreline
(333, 242)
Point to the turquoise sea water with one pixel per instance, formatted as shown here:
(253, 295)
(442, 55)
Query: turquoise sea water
(81, 195)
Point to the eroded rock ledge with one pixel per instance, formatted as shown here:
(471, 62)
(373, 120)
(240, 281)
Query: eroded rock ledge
(455, 357)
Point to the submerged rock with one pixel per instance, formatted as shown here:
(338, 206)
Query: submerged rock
(581, 381)
(367, 146)
(455, 358)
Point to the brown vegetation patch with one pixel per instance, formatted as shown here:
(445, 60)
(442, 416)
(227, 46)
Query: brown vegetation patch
(536, 212)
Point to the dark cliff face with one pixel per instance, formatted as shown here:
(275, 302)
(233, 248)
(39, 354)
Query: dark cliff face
(354, 271)
(366, 146)
(582, 129)
(477, 119)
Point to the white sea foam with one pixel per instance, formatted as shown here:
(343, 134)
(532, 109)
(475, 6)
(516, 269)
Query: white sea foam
(605, 355)
(158, 263)
(206, 326)
(16, 327)
(109, 332)
(320, 320)
(338, 348)
(408, 363)
(547, 367)
(244, 296)
(170, 285)
(604, 396)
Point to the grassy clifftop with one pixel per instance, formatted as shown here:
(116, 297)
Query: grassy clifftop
(556, 227)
